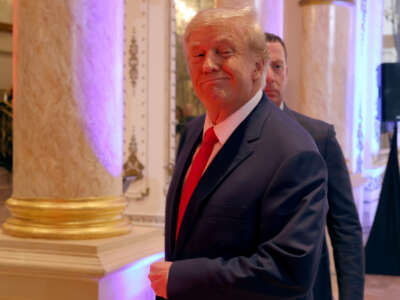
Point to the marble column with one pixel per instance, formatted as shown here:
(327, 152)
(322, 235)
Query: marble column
(68, 125)
(257, 5)
(326, 53)
(68, 160)
(327, 70)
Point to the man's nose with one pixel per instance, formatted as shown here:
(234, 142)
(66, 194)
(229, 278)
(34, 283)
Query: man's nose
(270, 75)
(210, 63)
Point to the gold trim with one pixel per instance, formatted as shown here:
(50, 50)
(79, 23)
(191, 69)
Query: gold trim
(317, 2)
(83, 218)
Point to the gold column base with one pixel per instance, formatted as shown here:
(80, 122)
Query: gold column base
(67, 219)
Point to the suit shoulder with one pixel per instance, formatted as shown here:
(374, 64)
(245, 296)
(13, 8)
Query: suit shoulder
(318, 129)
(312, 123)
(288, 133)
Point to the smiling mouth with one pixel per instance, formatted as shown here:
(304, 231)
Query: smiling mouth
(213, 80)
(271, 92)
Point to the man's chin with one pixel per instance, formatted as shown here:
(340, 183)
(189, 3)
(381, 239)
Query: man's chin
(274, 98)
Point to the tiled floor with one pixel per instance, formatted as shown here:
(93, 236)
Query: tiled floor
(377, 287)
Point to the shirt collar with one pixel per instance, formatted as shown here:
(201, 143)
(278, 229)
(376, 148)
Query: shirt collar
(224, 129)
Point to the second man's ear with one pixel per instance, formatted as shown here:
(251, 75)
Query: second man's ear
(259, 69)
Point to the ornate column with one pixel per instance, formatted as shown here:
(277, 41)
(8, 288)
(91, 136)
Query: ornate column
(326, 53)
(68, 122)
(340, 55)
(68, 136)
(327, 70)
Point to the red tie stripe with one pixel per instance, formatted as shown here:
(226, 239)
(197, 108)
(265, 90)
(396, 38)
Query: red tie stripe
(198, 165)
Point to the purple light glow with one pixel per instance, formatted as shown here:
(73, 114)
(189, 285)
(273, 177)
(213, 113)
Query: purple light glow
(98, 77)
(271, 12)
(131, 282)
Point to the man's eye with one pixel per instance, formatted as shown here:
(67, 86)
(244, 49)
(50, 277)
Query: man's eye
(225, 52)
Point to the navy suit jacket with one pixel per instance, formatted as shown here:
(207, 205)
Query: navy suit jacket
(254, 225)
(342, 220)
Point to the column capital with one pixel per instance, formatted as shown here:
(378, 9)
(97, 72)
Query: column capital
(317, 2)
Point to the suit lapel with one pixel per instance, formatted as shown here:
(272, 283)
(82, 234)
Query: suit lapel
(238, 148)
(191, 141)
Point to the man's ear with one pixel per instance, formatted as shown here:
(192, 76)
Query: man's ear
(259, 69)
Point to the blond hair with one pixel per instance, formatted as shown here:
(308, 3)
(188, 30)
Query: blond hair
(243, 20)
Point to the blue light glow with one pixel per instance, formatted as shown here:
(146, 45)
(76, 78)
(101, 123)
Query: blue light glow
(365, 123)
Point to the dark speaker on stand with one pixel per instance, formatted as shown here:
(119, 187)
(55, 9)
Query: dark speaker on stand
(382, 252)
(390, 91)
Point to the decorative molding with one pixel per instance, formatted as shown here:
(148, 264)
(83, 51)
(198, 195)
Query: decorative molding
(374, 183)
(78, 260)
(147, 220)
(172, 97)
(360, 141)
(360, 125)
(133, 59)
(136, 113)
(317, 2)
(132, 166)
(138, 194)
(364, 6)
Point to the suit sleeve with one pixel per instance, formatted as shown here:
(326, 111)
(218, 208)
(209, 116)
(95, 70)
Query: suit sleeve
(343, 224)
(285, 261)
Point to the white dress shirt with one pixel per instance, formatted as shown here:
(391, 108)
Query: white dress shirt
(224, 129)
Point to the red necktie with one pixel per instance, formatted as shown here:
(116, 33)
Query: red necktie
(198, 165)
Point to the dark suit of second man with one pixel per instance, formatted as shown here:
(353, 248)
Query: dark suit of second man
(342, 219)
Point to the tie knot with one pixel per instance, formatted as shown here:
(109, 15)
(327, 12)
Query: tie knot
(210, 137)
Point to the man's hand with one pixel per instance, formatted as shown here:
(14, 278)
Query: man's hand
(159, 277)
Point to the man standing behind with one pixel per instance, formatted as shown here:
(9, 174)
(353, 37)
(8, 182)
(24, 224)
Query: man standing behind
(246, 208)
(342, 219)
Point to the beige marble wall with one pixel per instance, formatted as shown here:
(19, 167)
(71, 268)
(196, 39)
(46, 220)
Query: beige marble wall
(325, 64)
(68, 99)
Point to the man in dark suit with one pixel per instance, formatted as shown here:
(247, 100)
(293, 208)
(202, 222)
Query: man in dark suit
(246, 208)
(342, 219)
